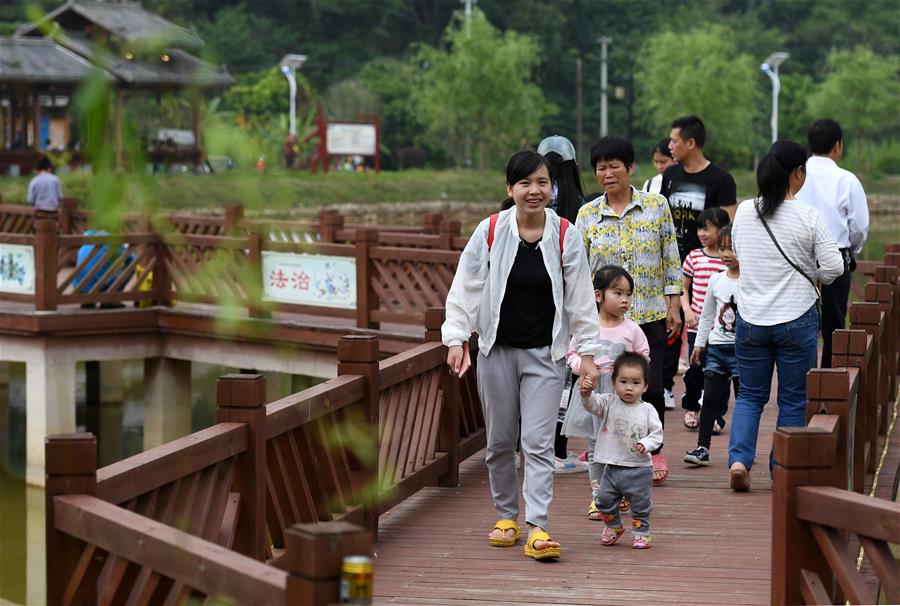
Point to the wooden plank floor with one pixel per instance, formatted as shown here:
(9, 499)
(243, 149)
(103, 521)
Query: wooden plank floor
(710, 544)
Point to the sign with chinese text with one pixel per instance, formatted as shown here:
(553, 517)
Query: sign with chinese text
(17, 269)
(307, 279)
(351, 139)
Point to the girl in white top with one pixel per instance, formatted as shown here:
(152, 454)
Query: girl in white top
(662, 159)
(777, 324)
(613, 287)
(524, 286)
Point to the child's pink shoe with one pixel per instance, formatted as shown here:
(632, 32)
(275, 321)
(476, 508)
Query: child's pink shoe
(611, 535)
(641, 541)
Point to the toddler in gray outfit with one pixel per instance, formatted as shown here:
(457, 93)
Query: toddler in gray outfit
(629, 431)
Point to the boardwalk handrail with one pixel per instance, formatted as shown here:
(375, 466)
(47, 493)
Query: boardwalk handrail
(820, 469)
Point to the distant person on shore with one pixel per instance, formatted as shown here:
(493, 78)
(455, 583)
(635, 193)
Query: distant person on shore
(839, 197)
(44, 190)
(662, 159)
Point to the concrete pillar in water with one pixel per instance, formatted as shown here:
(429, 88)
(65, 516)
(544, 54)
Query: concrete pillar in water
(167, 400)
(50, 404)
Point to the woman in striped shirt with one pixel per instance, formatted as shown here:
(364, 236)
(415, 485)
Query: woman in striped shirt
(783, 248)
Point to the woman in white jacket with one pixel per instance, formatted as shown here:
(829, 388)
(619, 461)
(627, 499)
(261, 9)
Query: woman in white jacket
(524, 286)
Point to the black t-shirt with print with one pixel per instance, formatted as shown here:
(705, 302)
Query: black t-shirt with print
(528, 310)
(689, 194)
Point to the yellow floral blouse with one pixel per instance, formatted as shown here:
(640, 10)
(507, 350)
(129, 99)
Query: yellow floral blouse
(642, 241)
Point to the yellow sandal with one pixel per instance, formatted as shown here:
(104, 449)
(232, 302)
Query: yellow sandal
(540, 554)
(505, 525)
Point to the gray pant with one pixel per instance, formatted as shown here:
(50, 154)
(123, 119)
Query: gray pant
(634, 483)
(520, 383)
(595, 469)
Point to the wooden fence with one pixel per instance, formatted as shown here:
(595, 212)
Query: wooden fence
(393, 284)
(819, 471)
(296, 483)
(330, 227)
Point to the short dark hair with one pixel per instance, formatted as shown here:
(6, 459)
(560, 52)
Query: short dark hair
(662, 146)
(717, 216)
(612, 148)
(823, 135)
(631, 360)
(524, 163)
(609, 275)
(44, 163)
(691, 127)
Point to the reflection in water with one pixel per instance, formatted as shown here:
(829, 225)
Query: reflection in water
(118, 424)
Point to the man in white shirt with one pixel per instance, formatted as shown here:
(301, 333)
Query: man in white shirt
(839, 197)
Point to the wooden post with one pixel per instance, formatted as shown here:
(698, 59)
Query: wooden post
(431, 223)
(329, 223)
(882, 293)
(359, 355)
(366, 296)
(850, 348)
(234, 216)
(242, 399)
(834, 391)
(313, 557)
(255, 306)
(448, 433)
(45, 264)
(891, 275)
(448, 231)
(868, 317)
(71, 468)
(162, 280)
(803, 456)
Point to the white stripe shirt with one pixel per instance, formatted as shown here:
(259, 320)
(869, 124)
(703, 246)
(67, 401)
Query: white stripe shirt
(771, 291)
(839, 197)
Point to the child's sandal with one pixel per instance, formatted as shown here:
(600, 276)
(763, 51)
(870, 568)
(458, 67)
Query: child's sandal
(611, 535)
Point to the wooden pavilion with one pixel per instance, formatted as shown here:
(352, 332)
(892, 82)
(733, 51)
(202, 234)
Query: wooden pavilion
(44, 62)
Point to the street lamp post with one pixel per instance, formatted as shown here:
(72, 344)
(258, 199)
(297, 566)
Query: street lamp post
(770, 68)
(604, 123)
(289, 64)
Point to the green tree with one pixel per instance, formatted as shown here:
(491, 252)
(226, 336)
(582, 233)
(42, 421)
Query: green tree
(860, 91)
(476, 96)
(701, 72)
(244, 40)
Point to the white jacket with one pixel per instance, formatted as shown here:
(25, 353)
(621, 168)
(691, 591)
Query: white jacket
(475, 297)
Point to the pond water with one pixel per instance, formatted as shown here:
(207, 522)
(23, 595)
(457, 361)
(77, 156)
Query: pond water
(119, 423)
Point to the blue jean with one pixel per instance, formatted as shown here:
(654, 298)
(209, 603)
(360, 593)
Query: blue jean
(791, 347)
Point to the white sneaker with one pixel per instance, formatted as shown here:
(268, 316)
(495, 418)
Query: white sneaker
(670, 399)
(571, 464)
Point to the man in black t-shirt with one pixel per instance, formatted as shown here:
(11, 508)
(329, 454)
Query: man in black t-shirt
(691, 185)
(694, 183)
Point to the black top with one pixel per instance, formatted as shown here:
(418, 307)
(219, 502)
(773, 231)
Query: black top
(689, 194)
(527, 312)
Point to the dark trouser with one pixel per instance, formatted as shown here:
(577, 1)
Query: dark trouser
(656, 339)
(693, 378)
(834, 311)
(671, 356)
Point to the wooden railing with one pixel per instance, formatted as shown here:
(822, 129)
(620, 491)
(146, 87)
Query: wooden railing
(329, 227)
(393, 284)
(820, 470)
(298, 482)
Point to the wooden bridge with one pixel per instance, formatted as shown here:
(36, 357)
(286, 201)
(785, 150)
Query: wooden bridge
(261, 507)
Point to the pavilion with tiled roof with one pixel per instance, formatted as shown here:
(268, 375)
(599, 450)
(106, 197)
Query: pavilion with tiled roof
(139, 52)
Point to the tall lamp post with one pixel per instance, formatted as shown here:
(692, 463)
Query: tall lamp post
(604, 124)
(770, 68)
(289, 64)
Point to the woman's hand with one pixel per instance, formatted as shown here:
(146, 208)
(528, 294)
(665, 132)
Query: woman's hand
(690, 319)
(695, 355)
(589, 373)
(455, 359)
(673, 316)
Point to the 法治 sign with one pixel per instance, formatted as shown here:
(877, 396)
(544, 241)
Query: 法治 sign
(305, 279)
(17, 269)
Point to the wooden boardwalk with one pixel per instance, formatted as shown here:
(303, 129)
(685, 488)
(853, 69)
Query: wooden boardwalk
(710, 544)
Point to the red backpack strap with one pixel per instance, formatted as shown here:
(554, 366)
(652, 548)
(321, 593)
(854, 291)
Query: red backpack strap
(563, 227)
(491, 227)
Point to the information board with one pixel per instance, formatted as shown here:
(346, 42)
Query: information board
(346, 139)
(306, 279)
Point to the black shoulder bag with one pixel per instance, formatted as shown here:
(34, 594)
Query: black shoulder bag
(792, 264)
